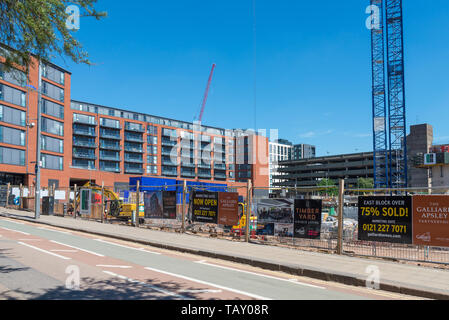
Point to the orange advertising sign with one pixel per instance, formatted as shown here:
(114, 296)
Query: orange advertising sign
(431, 220)
(228, 207)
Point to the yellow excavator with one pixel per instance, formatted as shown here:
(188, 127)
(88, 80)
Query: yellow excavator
(113, 204)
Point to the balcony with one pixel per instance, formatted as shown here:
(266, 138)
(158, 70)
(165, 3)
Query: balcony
(171, 143)
(110, 169)
(85, 121)
(166, 133)
(109, 157)
(188, 174)
(219, 176)
(133, 138)
(134, 127)
(168, 172)
(133, 159)
(84, 143)
(84, 155)
(204, 165)
(133, 149)
(168, 162)
(110, 146)
(204, 175)
(110, 135)
(133, 170)
(113, 124)
(88, 132)
(220, 166)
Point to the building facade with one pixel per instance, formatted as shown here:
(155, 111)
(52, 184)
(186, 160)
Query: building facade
(309, 172)
(279, 150)
(84, 142)
(303, 151)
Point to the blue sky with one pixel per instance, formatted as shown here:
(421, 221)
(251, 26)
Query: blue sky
(312, 69)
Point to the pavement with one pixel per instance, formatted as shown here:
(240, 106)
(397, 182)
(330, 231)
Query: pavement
(391, 276)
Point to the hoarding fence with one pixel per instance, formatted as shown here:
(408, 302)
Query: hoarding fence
(408, 224)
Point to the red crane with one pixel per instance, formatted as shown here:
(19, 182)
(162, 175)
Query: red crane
(206, 93)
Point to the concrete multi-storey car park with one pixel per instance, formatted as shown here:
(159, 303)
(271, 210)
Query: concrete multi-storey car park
(88, 142)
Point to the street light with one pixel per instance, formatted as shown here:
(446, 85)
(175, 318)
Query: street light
(37, 203)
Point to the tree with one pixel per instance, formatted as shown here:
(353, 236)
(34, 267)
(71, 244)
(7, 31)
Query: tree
(36, 27)
(332, 191)
(365, 183)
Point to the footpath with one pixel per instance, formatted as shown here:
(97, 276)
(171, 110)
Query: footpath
(396, 277)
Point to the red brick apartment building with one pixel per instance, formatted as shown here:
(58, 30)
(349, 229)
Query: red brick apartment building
(83, 142)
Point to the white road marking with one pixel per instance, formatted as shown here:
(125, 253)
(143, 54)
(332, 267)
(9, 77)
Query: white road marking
(46, 229)
(45, 251)
(67, 245)
(127, 247)
(260, 275)
(62, 250)
(201, 291)
(113, 266)
(147, 285)
(30, 239)
(209, 284)
(25, 233)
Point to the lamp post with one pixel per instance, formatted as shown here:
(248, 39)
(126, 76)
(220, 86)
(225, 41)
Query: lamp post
(37, 203)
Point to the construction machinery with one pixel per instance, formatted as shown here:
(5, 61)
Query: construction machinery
(113, 205)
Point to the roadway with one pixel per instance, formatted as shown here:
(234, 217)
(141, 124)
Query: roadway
(47, 263)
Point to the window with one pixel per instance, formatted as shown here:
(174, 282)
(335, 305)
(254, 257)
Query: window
(52, 109)
(14, 76)
(12, 156)
(84, 119)
(52, 144)
(51, 162)
(152, 159)
(53, 74)
(12, 116)
(152, 169)
(52, 91)
(12, 95)
(52, 126)
(12, 136)
(152, 140)
(152, 130)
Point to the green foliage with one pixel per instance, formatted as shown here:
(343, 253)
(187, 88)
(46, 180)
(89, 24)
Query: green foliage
(38, 27)
(333, 191)
(365, 183)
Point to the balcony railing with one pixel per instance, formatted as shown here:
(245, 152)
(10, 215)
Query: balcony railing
(188, 174)
(83, 143)
(110, 135)
(166, 142)
(220, 176)
(107, 124)
(109, 157)
(166, 172)
(133, 138)
(85, 122)
(84, 132)
(133, 149)
(204, 165)
(133, 170)
(110, 169)
(219, 166)
(84, 155)
(133, 159)
(134, 127)
(110, 146)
